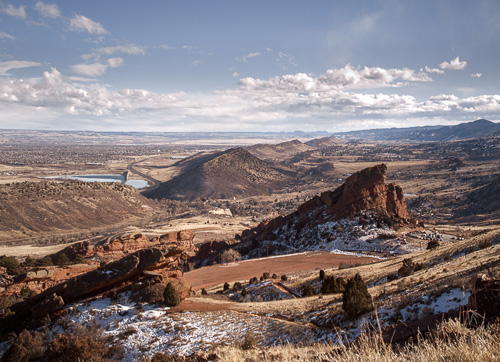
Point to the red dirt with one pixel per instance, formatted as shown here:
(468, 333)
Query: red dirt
(243, 270)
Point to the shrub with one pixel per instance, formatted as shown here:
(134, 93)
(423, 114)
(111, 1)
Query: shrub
(356, 299)
(230, 255)
(409, 267)
(27, 292)
(253, 280)
(63, 260)
(244, 292)
(171, 296)
(70, 347)
(226, 286)
(11, 264)
(266, 276)
(308, 291)
(249, 342)
(237, 286)
(26, 347)
(79, 259)
(322, 274)
(274, 276)
(284, 278)
(433, 244)
(204, 291)
(331, 285)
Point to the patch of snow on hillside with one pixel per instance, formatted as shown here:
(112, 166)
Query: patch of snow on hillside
(144, 330)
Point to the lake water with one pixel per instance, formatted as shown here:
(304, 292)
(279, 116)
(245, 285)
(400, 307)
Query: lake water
(138, 184)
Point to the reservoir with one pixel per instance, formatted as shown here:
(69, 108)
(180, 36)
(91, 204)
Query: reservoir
(138, 184)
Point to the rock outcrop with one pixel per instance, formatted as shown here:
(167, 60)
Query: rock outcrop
(133, 267)
(362, 191)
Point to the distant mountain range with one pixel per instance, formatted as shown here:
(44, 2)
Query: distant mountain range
(476, 129)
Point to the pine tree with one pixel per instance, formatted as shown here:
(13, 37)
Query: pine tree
(356, 298)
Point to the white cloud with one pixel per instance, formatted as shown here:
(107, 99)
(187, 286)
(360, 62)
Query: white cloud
(11, 10)
(82, 23)
(433, 70)
(91, 70)
(131, 49)
(476, 75)
(296, 101)
(115, 62)
(455, 64)
(236, 74)
(16, 64)
(248, 56)
(48, 10)
(6, 36)
(195, 63)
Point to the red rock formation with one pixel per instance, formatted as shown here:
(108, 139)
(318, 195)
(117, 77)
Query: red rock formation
(364, 190)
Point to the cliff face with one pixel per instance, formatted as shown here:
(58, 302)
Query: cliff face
(365, 190)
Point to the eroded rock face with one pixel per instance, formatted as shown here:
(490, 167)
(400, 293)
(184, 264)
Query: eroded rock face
(112, 275)
(364, 190)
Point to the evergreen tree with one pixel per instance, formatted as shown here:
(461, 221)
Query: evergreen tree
(356, 298)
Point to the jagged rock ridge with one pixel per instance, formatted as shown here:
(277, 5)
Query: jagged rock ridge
(364, 194)
(227, 174)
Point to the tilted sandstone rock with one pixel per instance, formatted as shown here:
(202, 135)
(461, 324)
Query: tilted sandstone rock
(364, 190)
(99, 280)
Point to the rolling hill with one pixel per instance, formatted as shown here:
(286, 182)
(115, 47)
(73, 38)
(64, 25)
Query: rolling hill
(227, 174)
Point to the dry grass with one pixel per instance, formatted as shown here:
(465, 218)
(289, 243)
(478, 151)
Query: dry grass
(452, 341)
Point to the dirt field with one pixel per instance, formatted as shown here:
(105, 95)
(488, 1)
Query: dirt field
(244, 270)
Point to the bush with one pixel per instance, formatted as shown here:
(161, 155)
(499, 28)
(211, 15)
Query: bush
(244, 292)
(284, 278)
(274, 276)
(433, 244)
(204, 291)
(230, 255)
(308, 291)
(356, 299)
(226, 286)
(26, 347)
(171, 296)
(11, 264)
(322, 274)
(79, 259)
(253, 280)
(63, 260)
(237, 286)
(331, 285)
(266, 276)
(70, 347)
(409, 267)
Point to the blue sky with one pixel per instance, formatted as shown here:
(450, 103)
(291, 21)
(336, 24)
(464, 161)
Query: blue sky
(122, 65)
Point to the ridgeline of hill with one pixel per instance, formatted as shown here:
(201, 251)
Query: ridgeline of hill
(38, 208)
(278, 152)
(226, 174)
(477, 129)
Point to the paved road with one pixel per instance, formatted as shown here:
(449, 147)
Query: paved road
(152, 181)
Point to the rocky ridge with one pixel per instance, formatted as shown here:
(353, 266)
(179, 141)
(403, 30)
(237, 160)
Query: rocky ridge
(364, 205)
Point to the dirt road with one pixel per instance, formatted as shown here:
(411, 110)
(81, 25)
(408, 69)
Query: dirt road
(283, 264)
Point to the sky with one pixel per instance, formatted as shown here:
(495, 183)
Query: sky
(280, 65)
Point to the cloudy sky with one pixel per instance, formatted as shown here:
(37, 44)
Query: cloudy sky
(126, 65)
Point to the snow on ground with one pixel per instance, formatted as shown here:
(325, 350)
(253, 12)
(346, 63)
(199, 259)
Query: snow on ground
(362, 233)
(144, 330)
(264, 291)
(451, 299)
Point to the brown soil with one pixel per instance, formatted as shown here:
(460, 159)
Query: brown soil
(244, 270)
